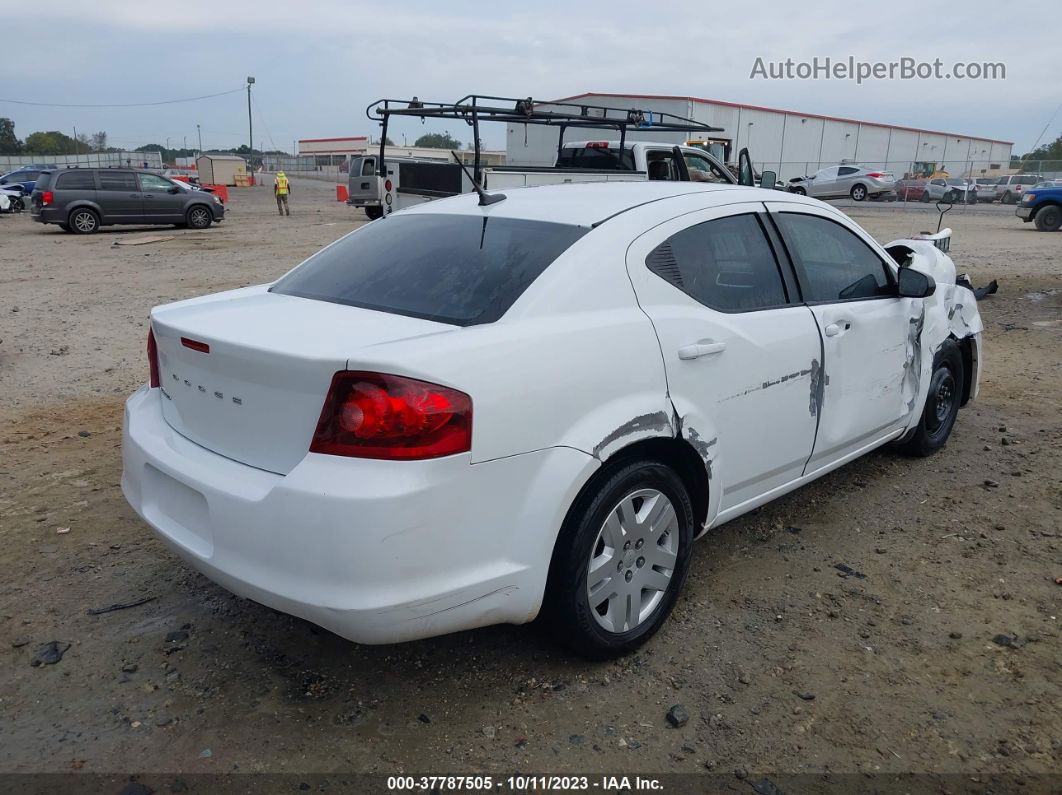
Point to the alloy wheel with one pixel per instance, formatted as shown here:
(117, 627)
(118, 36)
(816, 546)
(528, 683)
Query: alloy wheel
(84, 222)
(633, 560)
(198, 218)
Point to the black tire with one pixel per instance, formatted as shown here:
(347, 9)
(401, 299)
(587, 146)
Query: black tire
(1048, 218)
(17, 205)
(199, 216)
(858, 192)
(925, 197)
(568, 606)
(372, 213)
(65, 227)
(942, 402)
(800, 192)
(83, 221)
(1008, 198)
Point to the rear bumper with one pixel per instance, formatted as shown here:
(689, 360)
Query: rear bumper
(46, 215)
(364, 202)
(375, 551)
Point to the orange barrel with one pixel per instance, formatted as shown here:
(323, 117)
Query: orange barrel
(341, 193)
(220, 191)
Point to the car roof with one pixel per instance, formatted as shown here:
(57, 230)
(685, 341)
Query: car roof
(588, 203)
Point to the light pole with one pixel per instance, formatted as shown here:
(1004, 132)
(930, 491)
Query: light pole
(200, 132)
(250, 127)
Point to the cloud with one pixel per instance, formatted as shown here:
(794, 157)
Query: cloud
(318, 64)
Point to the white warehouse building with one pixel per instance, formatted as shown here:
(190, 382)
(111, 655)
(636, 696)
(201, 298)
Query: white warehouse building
(789, 142)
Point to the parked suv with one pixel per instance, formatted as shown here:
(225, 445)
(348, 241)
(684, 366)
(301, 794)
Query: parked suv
(1009, 188)
(84, 199)
(22, 179)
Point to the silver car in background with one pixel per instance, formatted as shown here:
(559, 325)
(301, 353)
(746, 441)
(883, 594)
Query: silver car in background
(956, 190)
(837, 182)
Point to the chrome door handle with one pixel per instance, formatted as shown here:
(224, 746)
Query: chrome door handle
(832, 330)
(699, 349)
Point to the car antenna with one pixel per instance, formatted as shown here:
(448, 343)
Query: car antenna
(484, 197)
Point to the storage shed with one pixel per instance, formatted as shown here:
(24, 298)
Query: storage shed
(220, 169)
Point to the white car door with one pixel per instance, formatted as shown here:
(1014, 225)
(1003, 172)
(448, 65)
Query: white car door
(741, 354)
(866, 329)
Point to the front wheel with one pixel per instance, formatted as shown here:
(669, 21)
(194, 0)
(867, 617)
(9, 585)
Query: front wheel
(800, 192)
(942, 403)
(858, 192)
(17, 205)
(1049, 218)
(199, 217)
(621, 559)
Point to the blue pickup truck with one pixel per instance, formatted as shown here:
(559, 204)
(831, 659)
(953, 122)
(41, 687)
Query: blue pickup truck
(1042, 204)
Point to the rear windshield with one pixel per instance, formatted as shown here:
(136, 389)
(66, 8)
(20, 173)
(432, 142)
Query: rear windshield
(595, 157)
(458, 269)
(44, 180)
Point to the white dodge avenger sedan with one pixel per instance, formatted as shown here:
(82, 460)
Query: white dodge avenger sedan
(467, 414)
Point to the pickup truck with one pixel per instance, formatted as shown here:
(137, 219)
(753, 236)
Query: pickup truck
(412, 181)
(1042, 206)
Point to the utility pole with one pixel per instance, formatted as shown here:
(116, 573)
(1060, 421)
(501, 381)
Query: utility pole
(250, 126)
(77, 149)
(200, 131)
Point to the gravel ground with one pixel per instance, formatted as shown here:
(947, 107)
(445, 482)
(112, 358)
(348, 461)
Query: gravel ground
(940, 656)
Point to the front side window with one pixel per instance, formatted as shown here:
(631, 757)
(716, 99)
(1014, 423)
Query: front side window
(702, 169)
(457, 269)
(153, 183)
(77, 180)
(834, 264)
(118, 180)
(726, 264)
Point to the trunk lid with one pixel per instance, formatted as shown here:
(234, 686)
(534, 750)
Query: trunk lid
(256, 394)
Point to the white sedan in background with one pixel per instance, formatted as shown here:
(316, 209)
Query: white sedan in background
(837, 182)
(463, 415)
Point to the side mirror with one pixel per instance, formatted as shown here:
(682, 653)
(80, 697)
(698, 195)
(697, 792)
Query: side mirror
(175, 190)
(914, 284)
(768, 179)
(745, 169)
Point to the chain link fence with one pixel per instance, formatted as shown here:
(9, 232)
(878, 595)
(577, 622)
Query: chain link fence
(149, 160)
(907, 169)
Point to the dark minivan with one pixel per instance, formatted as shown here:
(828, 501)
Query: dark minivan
(82, 200)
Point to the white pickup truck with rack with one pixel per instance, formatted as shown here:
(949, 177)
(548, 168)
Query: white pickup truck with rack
(380, 184)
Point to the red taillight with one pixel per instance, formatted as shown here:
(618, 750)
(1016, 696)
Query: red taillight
(195, 345)
(876, 175)
(375, 415)
(387, 186)
(153, 359)
(46, 198)
(597, 144)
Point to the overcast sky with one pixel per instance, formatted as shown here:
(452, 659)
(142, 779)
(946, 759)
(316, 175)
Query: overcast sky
(318, 63)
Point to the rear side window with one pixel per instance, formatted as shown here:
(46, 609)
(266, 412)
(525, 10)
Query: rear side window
(596, 157)
(834, 264)
(726, 264)
(44, 180)
(118, 180)
(76, 180)
(458, 269)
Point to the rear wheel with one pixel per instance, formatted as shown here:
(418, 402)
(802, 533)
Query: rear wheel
(1008, 198)
(621, 559)
(199, 217)
(65, 227)
(372, 213)
(1049, 218)
(84, 221)
(858, 192)
(942, 402)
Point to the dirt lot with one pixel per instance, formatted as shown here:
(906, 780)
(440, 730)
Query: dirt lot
(784, 664)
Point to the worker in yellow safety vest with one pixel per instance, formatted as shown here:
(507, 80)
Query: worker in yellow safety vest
(281, 189)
